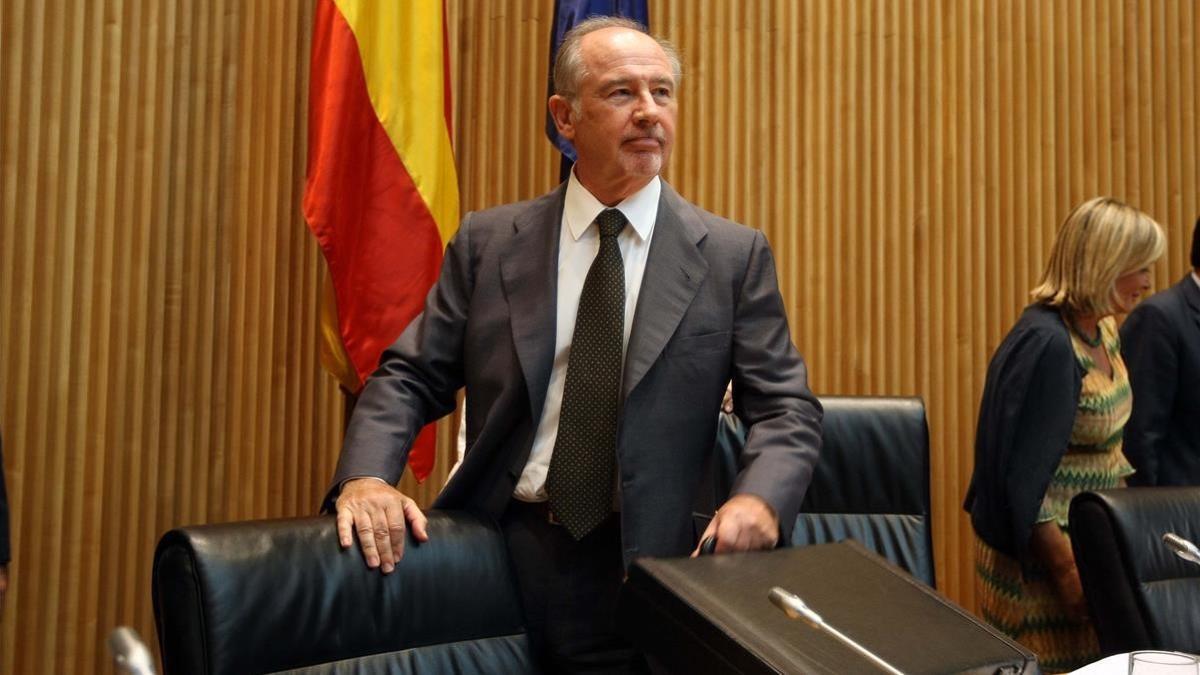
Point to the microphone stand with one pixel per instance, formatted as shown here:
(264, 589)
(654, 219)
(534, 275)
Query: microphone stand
(795, 608)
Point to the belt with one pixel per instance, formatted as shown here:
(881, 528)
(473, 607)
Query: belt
(539, 510)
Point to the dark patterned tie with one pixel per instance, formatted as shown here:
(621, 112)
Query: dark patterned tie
(580, 481)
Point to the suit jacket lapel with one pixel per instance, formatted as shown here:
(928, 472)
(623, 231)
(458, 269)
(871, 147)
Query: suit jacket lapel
(529, 270)
(674, 270)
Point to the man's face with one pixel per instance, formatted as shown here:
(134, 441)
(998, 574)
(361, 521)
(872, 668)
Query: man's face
(624, 124)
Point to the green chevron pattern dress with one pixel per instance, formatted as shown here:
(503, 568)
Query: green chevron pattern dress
(1026, 607)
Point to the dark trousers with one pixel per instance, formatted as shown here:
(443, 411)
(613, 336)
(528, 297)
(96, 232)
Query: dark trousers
(569, 591)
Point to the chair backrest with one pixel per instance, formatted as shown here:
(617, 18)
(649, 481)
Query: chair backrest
(281, 595)
(871, 483)
(1139, 594)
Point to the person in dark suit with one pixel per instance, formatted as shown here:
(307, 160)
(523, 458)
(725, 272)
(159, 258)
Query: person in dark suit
(595, 329)
(1161, 345)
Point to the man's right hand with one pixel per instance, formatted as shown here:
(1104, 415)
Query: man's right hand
(379, 513)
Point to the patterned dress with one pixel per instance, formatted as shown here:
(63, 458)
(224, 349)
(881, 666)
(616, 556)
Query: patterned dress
(1026, 607)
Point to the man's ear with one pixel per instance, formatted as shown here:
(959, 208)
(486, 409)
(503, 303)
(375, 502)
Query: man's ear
(560, 111)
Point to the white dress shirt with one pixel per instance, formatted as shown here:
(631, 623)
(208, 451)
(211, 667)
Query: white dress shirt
(1196, 278)
(578, 244)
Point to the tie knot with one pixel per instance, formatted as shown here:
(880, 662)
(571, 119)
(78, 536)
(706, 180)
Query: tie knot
(610, 222)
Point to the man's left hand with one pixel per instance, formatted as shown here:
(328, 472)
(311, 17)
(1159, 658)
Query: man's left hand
(744, 523)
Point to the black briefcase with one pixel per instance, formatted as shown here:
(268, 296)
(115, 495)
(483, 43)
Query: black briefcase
(712, 615)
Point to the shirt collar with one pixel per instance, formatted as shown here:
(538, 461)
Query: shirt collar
(1196, 277)
(580, 208)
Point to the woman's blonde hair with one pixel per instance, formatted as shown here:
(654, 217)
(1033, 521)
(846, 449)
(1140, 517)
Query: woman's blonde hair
(1100, 240)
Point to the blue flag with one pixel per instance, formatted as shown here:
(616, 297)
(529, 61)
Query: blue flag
(568, 13)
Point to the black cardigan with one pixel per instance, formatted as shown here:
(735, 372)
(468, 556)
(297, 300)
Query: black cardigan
(1028, 409)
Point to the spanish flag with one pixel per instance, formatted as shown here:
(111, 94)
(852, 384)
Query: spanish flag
(381, 195)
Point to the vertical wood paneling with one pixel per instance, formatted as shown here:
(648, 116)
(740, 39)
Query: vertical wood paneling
(158, 353)
(931, 151)
(909, 161)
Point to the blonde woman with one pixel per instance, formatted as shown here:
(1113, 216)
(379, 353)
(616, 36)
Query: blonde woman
(1054, 405)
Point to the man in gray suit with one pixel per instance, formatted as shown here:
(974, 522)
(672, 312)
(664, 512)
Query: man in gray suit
(594, 329)
(1160, 342)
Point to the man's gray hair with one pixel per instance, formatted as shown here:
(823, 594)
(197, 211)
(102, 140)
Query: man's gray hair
(569, 70)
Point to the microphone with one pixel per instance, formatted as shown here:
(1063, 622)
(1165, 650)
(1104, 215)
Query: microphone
(130, 652)
(795, 608)
(1182, 547)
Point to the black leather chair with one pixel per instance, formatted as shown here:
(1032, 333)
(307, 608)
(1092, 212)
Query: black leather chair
(280, 596)
(1139, 594)
(871, 484)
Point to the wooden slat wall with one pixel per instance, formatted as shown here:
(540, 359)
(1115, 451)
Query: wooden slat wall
(159, 294)
(908, 160)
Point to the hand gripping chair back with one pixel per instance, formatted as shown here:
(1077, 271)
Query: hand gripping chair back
(282, 596)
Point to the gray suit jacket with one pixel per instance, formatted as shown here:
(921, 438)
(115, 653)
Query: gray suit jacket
(1160, 343)
(709, 310)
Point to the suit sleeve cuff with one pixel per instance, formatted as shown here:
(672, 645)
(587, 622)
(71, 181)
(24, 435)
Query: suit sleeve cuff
(347, 480)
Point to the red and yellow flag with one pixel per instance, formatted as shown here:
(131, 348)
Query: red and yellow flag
(382, 193)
